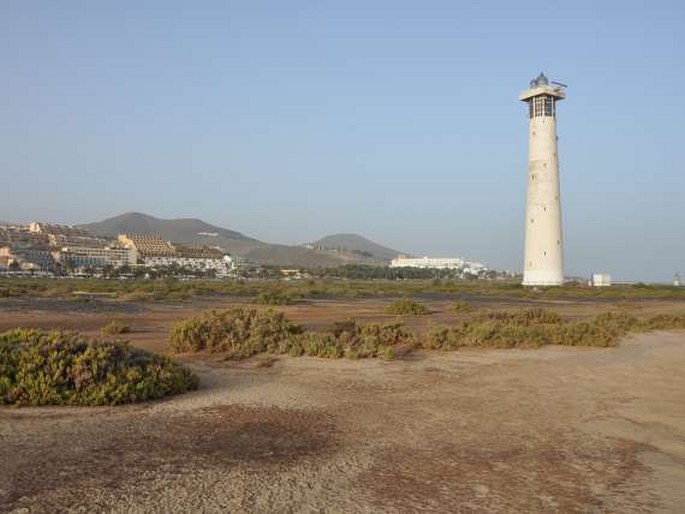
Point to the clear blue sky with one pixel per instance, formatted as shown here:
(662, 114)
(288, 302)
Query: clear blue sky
(399, 120)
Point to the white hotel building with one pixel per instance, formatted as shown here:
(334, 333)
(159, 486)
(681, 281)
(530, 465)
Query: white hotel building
(437, 263)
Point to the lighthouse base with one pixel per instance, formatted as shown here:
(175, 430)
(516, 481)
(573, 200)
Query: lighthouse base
(543, 278)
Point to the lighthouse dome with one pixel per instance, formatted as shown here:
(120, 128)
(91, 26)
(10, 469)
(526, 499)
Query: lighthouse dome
(541, 80)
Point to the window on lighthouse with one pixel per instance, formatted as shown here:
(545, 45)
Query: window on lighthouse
(541, 106)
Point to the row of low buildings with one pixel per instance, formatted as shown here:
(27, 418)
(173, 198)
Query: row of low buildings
(50, 247)
(155, 252)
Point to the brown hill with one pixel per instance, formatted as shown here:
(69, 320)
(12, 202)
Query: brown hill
(182, 230)
(355, 244)
(198, 232)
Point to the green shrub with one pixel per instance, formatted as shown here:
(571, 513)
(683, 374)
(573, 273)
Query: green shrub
(242, 332)
(114, 327)
(522, 317)
(664, 322)
(65, 368)
(238, 331)
(538, 327)
(353, 341)
(499, 329)
(407, 306)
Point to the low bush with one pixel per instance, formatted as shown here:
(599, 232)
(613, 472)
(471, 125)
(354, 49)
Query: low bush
(243, 332)
(238, 331)
(408, 307)
(663, 322)
(114, 327)
(354, 341)
(65, 368)
(537, 327)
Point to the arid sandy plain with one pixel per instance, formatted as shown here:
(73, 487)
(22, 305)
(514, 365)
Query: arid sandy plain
(546, 430)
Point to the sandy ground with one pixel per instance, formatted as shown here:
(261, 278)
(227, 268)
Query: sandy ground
(548, 430)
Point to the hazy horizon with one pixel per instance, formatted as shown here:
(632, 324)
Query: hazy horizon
(392, 120)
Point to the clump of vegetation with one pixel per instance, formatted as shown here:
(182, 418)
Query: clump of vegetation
(114, 327)
(537, 327)
(65, 368)
(238, 331)
(354, 341)
(243, 332)
(662, 322)
(461, 307)
(408, 307)
(274, 298)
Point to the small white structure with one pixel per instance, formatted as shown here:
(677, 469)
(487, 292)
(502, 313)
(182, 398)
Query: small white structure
(601, 280)
(677, 281)
(543, 261)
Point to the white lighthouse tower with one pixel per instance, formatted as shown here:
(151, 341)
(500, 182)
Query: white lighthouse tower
(544, 260)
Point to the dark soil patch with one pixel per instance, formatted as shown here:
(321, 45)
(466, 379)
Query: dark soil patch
(583, 475)
(113, 452)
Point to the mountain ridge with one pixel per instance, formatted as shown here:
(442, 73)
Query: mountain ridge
(198, 232)
(356, 243)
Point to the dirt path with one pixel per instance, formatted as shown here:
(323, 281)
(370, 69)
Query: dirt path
(550, 430)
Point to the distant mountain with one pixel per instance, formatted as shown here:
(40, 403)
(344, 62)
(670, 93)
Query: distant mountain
(198, 232)
(354, 243)
(295, 256)
(182, 230)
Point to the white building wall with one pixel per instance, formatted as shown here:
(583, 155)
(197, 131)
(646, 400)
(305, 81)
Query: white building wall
(436, 263)
(223, 266)
(544, 244)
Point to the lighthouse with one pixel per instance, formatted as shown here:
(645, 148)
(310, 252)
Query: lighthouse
(544, 260)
